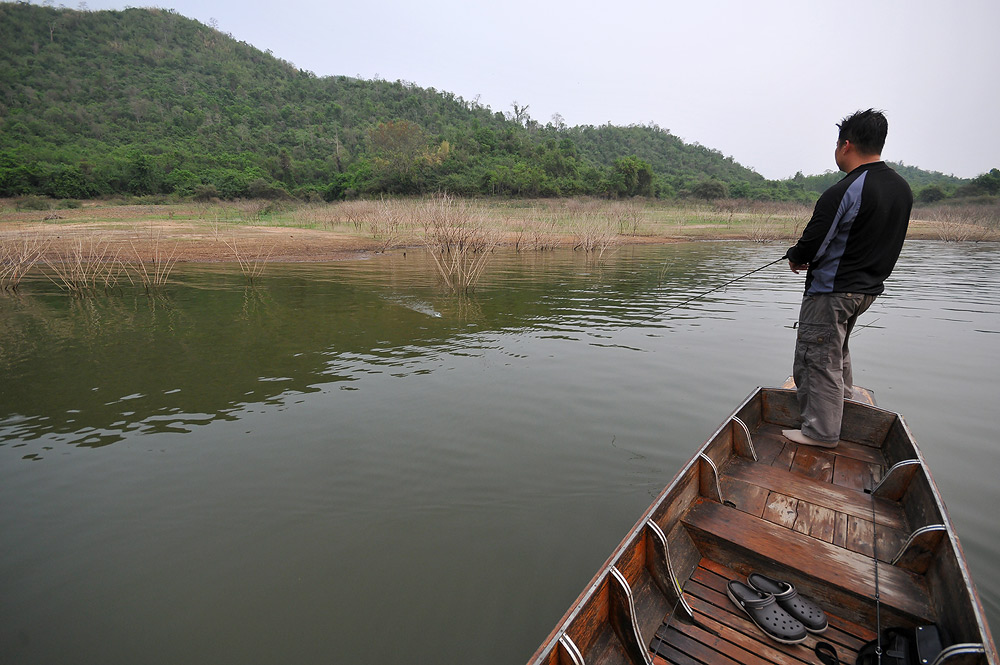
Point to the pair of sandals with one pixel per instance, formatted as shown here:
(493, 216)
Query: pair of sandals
(777, 608)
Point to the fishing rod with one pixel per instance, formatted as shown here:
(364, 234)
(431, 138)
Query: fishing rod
(712, 290)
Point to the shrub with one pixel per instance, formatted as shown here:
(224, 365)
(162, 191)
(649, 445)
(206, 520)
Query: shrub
(205, 193)
(32, 202)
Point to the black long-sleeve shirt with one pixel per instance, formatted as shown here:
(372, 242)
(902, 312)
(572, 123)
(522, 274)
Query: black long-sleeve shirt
(856, 232)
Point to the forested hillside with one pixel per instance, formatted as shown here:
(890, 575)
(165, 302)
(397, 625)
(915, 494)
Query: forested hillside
(148, 102)
(145, 101)
(928, 186)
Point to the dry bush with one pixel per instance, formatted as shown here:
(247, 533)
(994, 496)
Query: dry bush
(595, 234)
(252, 260)
(154, 273)
(323, 215)
(578, 207)
(543, 236)
(628, 214)
(776, 208)
(447, 221)
(89, 265)
(761, 229)
(254, 210)
(386, 223)
(728, 207)
(964, 223)
(316, 214)
(459, 240)
(356, 213)
(17, 256)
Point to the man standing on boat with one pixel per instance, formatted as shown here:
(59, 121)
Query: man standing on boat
(849, 248)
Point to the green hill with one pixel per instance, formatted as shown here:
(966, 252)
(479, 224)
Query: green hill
(148, 102)
(145, 101)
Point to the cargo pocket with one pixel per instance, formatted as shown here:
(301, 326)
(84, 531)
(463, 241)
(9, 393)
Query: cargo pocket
(812, 347)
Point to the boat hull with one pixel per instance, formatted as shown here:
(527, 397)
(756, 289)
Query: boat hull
(749, 500)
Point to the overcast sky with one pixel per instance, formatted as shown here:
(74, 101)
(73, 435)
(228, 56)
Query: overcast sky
(762, 81)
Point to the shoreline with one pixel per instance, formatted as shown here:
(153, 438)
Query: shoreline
(203, 233)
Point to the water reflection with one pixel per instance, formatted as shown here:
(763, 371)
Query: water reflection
(88, 372)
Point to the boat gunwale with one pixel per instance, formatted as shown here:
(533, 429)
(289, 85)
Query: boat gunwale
(956, 545)
(551, 641)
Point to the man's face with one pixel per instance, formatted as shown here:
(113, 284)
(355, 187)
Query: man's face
(840, 153)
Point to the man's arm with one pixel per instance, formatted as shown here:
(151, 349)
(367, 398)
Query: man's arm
(804, 251)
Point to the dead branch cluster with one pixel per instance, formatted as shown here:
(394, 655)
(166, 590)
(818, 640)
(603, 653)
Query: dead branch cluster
(252, 260)
(968, 223)
(459, 240)
(17, 256)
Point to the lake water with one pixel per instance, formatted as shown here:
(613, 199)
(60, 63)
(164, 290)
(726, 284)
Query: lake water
(348, 464)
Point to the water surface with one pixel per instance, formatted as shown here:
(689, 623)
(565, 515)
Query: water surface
(350, 464)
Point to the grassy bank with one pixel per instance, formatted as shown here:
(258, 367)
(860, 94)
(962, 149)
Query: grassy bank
(293, 231)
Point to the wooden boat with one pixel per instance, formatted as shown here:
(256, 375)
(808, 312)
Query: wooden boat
(749, 500)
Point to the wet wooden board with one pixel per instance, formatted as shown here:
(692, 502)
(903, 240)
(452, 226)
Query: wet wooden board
(827, 495)
(769, 436)
(814, 463)
(826, 524)
(815, 521)
(855, 474)
(749, 498)
(781, 509)
(839, 626)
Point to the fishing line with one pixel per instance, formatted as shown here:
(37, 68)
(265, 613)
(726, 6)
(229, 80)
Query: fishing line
(661, 312)
(878, 600)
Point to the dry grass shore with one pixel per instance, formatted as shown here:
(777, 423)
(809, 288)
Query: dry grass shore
(322, 232)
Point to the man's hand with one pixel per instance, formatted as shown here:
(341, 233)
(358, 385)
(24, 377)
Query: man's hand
(796, 267)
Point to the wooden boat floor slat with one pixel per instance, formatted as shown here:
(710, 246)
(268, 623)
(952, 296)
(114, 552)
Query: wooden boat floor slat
(770, 444)
(725, 635)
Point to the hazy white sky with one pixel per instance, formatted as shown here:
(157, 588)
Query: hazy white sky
(762, 81)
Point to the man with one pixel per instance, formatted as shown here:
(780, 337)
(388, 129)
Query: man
(849, 247)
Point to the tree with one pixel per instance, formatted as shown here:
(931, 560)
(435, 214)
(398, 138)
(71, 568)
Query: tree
(987, 184)
(630, 176)
(710, 190)
(931, 194)
(397, 146)
(141, 175)
(520, 113)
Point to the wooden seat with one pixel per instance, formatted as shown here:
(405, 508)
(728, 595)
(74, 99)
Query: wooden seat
(831, 574)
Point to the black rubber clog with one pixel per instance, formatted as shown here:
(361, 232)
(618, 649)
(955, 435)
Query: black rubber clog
(764, 611)
(808, 613)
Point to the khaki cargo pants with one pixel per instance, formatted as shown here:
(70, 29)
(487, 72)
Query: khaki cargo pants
(822, 367)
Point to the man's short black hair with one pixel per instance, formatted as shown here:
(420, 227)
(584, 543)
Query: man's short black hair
(866, 130)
